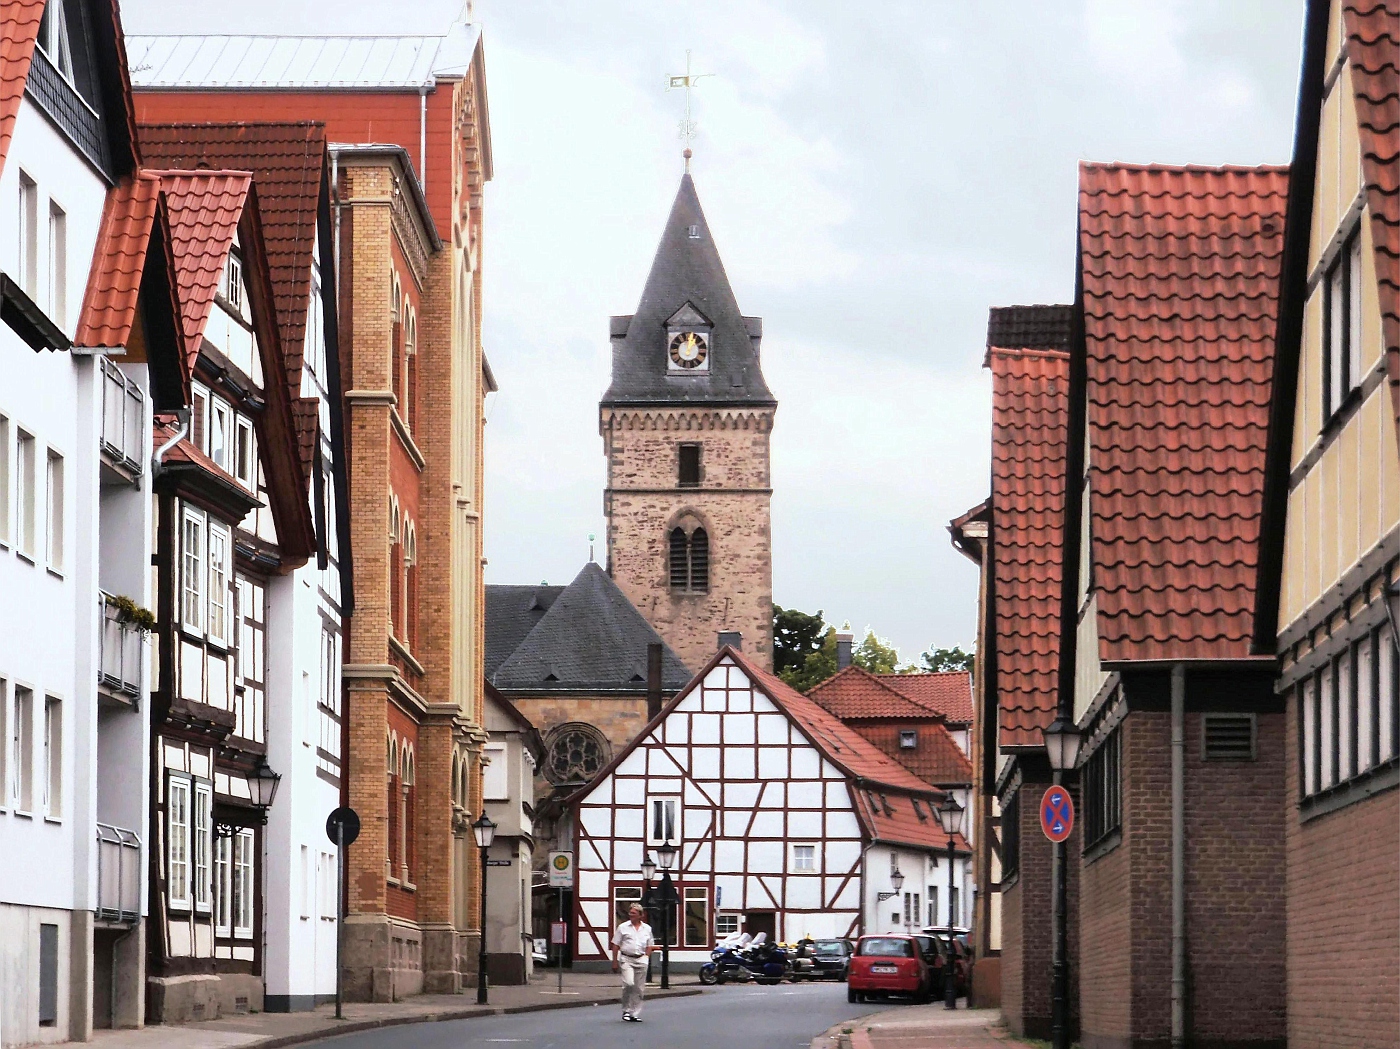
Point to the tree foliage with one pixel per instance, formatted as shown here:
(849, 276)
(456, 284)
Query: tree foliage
(939, 659)
(876, 655)
(796, 635)
(817, 667)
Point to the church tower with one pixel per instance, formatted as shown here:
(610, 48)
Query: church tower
(685, 428)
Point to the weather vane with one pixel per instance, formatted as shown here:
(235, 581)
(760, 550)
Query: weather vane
(688, 126)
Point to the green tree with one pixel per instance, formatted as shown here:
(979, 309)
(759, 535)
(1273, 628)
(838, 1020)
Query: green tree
(816, 667)
(875, 655)
(796, 635)
(937, 659)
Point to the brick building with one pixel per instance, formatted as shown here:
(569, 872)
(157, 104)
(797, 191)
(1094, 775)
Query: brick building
(686, 425)
(407, 216)
(1332, 531)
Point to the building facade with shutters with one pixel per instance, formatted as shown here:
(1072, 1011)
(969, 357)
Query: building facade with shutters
(90, 346)
(1332, 513)
(686, 423)
(406, 119)
(786, 822)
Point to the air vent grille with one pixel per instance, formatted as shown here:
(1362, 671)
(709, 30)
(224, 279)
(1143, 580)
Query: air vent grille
(1228, 737)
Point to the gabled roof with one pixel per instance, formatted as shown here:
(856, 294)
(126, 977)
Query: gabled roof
(405, 63)
(288, 163)
(854, 692)
(947, 693)
(1179, 268)
(109, 303)
(19, 29)
(1030, 417)
(590, 638)
(511, 613)
(205, 209)
(687, 269)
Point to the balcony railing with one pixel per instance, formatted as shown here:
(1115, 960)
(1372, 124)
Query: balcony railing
(118, 874)
(124, 439)
(120, 657)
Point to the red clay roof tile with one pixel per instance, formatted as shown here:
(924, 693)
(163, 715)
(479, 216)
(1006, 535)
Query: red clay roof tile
(19, 29)
(944, 692)
(1180, 272)
(856, 693)
(205, 207)
(286, 160)
(935, 758)
(109, 304)
(1030, 418)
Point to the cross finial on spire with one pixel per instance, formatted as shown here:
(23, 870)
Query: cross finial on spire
(688, 126)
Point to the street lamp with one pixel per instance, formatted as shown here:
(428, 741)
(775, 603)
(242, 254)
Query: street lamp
(1062, 747)
(666, 856)
(485, 832)
(262, 786)
(950, 815)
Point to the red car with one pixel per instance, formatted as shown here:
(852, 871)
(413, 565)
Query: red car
(888, 964)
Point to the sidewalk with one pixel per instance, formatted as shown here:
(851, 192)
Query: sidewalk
(269, 1030)
(923, 1027)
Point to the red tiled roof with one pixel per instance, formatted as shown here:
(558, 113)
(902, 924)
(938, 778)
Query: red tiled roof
(902, 820)
(857, 693)
(1180, 286)
(945, 692)
(1373, 50)
(205, 207)
(184, 450)
(109, 304)
(286, 160)
(1030, 418)
(936, 757)
(19, 29)
(306, 414)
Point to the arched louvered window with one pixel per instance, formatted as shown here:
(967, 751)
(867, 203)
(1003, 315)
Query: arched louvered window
(689, 560)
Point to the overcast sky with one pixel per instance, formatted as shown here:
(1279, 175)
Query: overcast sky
(876, 176)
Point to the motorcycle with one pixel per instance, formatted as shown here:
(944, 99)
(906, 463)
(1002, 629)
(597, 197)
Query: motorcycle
(758, 959)
(725, 962)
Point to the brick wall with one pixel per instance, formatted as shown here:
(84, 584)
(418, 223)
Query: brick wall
(1343, 900)
(732, 504)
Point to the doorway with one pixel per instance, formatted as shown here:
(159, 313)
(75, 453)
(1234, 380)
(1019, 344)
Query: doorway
(756, 922)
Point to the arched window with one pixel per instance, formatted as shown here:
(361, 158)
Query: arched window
(410, 585)
(406, 817)
(411, 373)
(392, 800)
(574, 752)
(396, 534)
(396, 313)
(688, 559)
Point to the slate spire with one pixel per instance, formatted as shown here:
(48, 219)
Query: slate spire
(687, 271)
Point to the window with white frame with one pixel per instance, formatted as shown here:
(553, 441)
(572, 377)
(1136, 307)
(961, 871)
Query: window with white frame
(663, 820)
(328, 893)
(5, 762)
(21, 750)
(192, 575)
(199, 415)
(28, 234)
(244, 453)
(1351, 713)
(307, 890)
(53, 757)
(221, 433)
(495, 784)
(1341, 325)
(58, 265)
(220, 627)
(203, 834)
(4, 480)
(243, 884)
(26, 495)
(54, 532)
(177, 838)
(223, 886)
(804, 859)
(233, 282)
(726, 925)
(54, 38)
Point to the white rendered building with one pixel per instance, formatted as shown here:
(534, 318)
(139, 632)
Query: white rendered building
(785, 820)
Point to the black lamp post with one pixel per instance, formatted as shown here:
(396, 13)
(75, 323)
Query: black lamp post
(1062, 747)
(897, 883)
(648, 903)
(950, 815)
(485, 832)
(665, 857)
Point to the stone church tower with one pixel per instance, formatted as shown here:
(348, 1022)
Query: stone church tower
(685, 427)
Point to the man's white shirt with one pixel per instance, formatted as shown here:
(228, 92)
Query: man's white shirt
(631, 940)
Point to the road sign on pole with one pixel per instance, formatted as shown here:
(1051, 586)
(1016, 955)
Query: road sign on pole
(342, 827)
(1057, 814)
(561, 870)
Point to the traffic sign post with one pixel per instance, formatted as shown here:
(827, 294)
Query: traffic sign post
(561, 877)
(1057, 813)
(342, 827)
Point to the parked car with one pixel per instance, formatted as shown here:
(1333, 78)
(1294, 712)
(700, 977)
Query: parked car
(935, 948)
(831, 959)
(892, 963)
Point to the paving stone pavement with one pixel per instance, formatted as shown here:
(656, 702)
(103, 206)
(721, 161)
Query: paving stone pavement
(923, 1027)
(270, 1030)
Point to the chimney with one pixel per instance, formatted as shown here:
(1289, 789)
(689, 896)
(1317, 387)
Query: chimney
(653, 679)
(733, 638)
(843, 650)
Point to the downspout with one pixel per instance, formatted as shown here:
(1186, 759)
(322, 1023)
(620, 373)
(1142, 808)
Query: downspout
(183, 416)
(423, 139)
(335, 217)
(1178, 856)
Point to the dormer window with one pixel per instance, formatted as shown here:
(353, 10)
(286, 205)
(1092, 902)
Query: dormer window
(233, 282)
(54, 38)
(908, 739)
(693, 232)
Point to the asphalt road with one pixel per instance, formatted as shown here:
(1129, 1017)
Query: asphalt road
(787, 1016)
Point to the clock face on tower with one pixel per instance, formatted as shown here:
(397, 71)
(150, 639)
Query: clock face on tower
(689, 350)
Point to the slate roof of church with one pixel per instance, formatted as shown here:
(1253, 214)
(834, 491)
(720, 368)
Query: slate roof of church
(686, 270)
(588, 638)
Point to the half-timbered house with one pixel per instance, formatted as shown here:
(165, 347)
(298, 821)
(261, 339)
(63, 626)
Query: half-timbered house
(787, 821)
(232, 523)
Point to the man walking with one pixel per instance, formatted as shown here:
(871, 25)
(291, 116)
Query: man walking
(632, 944)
